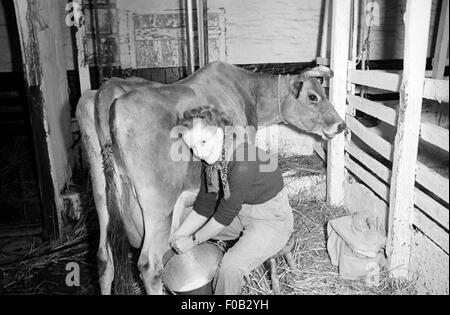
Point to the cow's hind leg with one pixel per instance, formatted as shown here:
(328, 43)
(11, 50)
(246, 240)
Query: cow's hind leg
(155, 244)
(91, 145)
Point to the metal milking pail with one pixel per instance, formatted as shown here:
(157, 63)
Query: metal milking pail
(192, 273)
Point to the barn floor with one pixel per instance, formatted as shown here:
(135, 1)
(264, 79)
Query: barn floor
(42, 270)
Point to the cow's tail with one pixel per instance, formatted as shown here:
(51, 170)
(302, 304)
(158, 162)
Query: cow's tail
(117, 196)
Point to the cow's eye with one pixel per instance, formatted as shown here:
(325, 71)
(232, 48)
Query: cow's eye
(313, 98)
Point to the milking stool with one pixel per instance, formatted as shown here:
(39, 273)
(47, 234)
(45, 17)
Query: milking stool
(286, 252)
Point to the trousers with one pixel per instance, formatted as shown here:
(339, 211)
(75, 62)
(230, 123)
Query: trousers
(262, 231)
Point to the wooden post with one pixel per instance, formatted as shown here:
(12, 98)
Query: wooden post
(340, 47)
(81, 46)
(401, 208)
(40, 31)
(190, 35)
(324, 46)
(202, 31)
(440, 54)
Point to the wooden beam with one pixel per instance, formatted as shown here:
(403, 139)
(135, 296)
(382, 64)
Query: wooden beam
(401, 206)
(427, 204)
(340, 47)
(432, 181)
(433, 89)
(432, 230)
(374, 109)
(380, 188)
(431, 207)
(202, 31)
(190, 35)
(379, 169)
(40, 31)
(376, 79)
(437, 90)
(440, 54)
(81, 46)
(324, 46)
(435, 135)
(381, 146)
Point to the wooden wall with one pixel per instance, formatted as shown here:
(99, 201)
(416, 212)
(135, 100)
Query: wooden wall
(256, 31)
(388, 36)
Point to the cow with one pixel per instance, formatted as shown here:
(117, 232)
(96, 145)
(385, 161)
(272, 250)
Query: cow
(126, 131)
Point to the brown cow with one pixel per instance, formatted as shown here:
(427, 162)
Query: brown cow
(126, 128)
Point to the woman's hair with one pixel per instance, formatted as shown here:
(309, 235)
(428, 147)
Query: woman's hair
(209, 115)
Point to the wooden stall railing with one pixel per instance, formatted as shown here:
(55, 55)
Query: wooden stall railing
(379, 176)
(416, 195)
(430, 212)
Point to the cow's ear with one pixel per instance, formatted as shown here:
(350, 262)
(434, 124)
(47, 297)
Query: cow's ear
(295, 86)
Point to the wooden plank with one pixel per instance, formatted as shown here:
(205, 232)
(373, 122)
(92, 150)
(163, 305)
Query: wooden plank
(374, 109)
(432, 181)
(340, 48)
(427, 204)
(190, 35)
(436, 90)
(380, 188)
(376, 79)
(440, 54)
(82, 54)
(435, 135)
(201, 35)
(433, 231)
(432, 208)
(401, 205)
(47, 89)
(381, 146)
(425, 176)
(379, 169)
(127, 39)
(325, 35)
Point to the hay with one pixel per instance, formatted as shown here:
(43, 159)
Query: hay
(42, 270)
(316, 275)
(301, 165)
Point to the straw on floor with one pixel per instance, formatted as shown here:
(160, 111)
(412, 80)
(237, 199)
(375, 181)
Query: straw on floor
(316, 275)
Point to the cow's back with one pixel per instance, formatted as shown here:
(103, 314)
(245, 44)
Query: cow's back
(226, 87)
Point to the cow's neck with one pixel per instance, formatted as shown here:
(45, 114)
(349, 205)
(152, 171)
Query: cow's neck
(268, 97)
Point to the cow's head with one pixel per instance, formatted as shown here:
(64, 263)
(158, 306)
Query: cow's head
(307, 107)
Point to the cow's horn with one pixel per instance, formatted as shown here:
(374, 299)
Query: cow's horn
(319, 71)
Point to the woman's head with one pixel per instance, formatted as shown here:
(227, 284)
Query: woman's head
(204, 132)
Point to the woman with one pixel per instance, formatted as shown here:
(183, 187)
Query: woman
(238, 199)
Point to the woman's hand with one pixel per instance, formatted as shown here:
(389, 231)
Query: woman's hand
(182, 244)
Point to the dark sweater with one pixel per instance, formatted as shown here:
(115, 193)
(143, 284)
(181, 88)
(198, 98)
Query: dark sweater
(248, 185)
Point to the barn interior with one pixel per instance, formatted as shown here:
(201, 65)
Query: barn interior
(53, 51)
